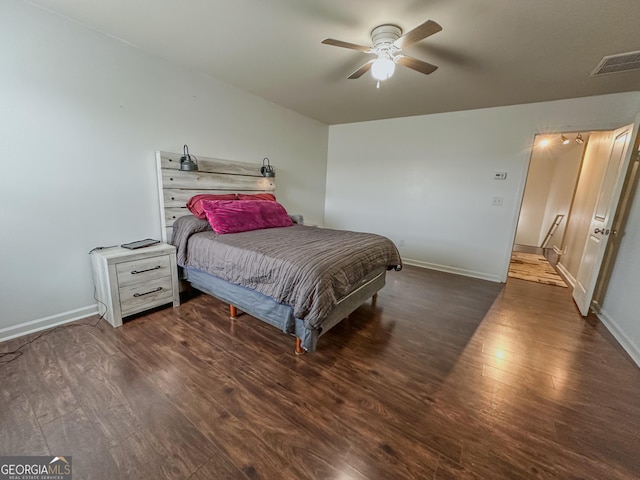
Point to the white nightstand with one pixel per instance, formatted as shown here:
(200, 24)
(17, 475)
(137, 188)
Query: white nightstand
(132, 281)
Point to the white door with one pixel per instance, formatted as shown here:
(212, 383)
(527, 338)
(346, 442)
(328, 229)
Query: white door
(596, 244)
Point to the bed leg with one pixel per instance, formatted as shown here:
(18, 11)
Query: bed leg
(233, 312)
(374, 299)
(299, 349)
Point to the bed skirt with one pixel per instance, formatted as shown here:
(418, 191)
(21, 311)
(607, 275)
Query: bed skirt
(277, 314)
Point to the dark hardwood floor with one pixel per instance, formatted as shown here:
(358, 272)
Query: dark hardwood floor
(446, 378)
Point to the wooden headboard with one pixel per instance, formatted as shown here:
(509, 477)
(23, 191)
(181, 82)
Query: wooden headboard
(176, 187)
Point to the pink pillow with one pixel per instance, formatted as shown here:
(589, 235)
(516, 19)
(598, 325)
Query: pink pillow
(195, 203)
(232, 217)
(257, 196)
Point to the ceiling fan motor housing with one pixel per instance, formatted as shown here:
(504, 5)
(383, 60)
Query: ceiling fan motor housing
(383, 37)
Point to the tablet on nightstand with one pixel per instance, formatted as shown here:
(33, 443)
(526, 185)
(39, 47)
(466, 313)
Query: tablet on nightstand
(147, 242)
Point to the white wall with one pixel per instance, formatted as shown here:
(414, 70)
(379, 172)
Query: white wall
(427, 180)
(563, 184)
(82, 115)
(536, 194)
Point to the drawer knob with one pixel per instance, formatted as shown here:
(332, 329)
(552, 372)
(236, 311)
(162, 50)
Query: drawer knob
(135, 272)
(147, 293)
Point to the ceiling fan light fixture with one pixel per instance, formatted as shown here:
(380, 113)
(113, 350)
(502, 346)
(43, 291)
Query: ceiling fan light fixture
(382, 68)
(387, 43)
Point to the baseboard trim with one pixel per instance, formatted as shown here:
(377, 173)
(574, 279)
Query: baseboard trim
(629, 346)
(565, 273)
(454, 270)
(33, 326)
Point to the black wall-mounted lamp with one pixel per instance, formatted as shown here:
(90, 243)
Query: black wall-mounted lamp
(188, 163)
(267, 170)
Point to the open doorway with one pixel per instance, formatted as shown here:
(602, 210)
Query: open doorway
(563, 183)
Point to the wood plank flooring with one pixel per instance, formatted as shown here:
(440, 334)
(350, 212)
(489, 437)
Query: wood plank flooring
(534, 267)
(446, 378)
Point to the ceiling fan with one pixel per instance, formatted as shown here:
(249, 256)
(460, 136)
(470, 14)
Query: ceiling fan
(387, 44)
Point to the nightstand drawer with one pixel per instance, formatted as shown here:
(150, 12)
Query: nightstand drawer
(143, 270)
(138, 297)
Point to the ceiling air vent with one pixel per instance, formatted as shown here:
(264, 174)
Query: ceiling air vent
(623, 62)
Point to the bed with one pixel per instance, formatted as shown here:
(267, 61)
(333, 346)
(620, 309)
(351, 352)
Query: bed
(302, 280)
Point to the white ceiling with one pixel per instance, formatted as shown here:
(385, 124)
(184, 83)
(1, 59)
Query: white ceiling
(490, 52)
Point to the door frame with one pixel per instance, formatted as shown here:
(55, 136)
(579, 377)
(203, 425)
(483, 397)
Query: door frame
(526, 179)
(603, 275)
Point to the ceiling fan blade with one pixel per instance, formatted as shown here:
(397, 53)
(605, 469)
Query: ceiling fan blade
(340, 43)
(419, 33)
(361, 71)
(415, 64)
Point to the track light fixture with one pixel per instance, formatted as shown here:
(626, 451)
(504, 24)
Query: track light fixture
(579, 139)
(565, 140)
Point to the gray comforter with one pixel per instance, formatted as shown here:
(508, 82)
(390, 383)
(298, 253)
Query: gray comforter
(309, 268)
